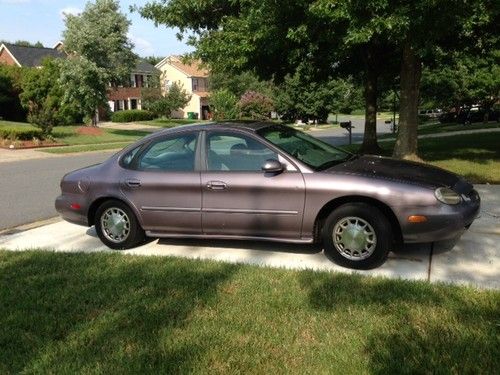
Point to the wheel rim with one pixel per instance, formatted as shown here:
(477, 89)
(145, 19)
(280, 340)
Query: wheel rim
(354, 238)
(115, 225)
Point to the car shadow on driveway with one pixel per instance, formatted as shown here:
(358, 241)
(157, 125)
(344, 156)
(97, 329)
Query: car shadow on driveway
(244, 245)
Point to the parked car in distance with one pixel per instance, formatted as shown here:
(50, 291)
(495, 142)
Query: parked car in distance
(430, 113)
(269, 182)
(470, 114)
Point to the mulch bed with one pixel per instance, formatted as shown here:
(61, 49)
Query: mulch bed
(17, 145)
(89, 130)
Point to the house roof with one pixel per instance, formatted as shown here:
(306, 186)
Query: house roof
(191, 69)
(144, 67)
(32, 56)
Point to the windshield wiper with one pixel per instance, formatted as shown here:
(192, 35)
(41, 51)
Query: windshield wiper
(332, 163)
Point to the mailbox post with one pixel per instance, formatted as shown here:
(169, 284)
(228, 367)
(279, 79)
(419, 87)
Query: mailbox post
(348, 126)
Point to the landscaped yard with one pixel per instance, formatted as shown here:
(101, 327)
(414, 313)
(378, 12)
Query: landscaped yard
(475, 156)
(454, 127)
(76, 142)
(171, 123)
(109, 313)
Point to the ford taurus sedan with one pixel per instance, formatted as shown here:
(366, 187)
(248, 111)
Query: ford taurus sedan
(268, 182)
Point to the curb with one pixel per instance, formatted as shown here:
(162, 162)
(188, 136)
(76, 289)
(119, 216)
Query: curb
(26, 227)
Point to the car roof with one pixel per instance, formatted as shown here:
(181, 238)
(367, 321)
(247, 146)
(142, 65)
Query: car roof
(245, 125)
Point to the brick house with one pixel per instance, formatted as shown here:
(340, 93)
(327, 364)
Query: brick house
(32, 57)
(193, 78)
(128, 96)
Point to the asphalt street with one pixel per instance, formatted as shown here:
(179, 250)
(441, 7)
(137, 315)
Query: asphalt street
(28, 188)
(340, 136)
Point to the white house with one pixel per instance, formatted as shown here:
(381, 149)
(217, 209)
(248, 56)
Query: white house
(192, 78)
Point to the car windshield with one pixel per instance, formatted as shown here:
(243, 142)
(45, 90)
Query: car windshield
(311, 151)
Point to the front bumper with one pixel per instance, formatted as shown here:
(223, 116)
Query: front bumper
(444, 222)
(76, 216)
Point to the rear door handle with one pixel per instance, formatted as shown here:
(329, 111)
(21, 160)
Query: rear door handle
(133, 183)
(216, 185)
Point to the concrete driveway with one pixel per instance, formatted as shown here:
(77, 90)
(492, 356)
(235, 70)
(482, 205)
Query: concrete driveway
(473, 260)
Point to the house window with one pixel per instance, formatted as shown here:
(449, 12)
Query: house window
(195, 84)
(139, 80)
(168, 85)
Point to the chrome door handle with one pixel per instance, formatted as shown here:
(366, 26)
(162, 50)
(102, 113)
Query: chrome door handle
(133, 183)
(216, 185)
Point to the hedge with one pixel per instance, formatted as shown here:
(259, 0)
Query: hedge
(132, 115)
(20, 133)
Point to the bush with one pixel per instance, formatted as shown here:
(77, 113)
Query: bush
(132, 115)
(255, 105)
(20, 133)
(223, 105)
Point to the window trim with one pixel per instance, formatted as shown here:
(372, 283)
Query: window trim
(204, 150)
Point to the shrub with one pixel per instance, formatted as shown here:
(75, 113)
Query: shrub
(132, 115)
(255, 105)
(21, 133)
(223, 105)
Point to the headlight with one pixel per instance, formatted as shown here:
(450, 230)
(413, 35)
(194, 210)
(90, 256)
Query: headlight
(447, 196)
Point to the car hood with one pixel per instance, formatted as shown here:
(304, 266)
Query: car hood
(402, 171)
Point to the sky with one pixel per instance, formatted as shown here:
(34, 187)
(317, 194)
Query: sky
(43, 20)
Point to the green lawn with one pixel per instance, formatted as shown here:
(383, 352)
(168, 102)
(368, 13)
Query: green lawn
(474, 156)
(68, 135)
(109, 313)
(15, 124)
(453, 127)
(110, 139)
(85, 148)
(171, 123)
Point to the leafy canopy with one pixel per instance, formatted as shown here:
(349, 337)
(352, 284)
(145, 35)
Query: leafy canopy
(100, 54)
(42, 97)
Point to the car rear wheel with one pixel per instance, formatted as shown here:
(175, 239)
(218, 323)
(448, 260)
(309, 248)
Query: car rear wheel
(117, 226)
(357, 235)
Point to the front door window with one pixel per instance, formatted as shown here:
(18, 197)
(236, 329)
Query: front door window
(236, 152)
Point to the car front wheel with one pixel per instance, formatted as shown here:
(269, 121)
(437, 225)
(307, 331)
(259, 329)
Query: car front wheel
(357, 235)
(117, 226)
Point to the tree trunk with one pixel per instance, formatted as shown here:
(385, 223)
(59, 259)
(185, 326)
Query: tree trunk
(411, 72)
(370, 145)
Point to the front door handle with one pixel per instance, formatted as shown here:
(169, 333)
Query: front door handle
(133, 183)
(216, 185)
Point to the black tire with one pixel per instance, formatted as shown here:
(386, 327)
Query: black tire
(382, 240)
(135, 235)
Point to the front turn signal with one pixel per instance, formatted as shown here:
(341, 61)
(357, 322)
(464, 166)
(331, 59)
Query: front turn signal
(417, 219)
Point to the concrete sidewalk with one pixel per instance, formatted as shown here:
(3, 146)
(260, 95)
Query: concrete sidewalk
(473, 260)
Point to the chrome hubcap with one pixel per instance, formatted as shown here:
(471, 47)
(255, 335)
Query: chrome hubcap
(115, 224)
(354, 238)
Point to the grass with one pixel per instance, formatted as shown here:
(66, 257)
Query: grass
(108, 313)
(474, 156)
(453, 127)
(69, 136)
(110, 139)
(16, 124)
(85, 148)
(170, 123)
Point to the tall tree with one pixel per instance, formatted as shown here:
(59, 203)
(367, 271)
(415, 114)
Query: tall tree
(10, 89)
(463, 79)
(42, 97)
(100, 54)
(428, 29)
(277, 38)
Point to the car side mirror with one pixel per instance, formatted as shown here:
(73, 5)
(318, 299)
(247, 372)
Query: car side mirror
(272, 166)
